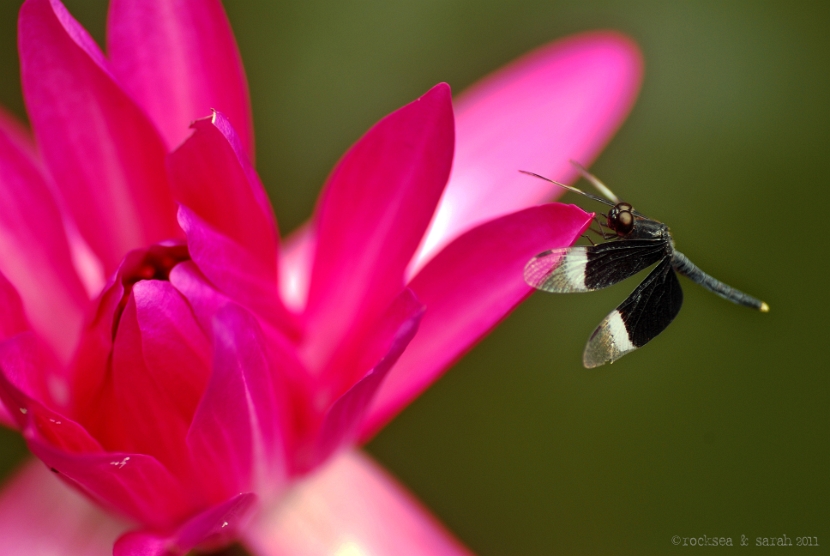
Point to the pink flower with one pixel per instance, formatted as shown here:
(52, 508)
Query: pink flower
(165, 355)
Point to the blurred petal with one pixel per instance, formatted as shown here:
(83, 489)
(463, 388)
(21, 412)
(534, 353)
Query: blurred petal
(563, 101)
(104, 154)
(296, 260)
(372, 215)
(212, 177)
(350, 506)
(468, 288)
(235, 439)
(389, 339)
(34, 252)
(213, 527)
(179, 60)
(28, 371)
(34, 497)
(12, 319)
(18, 133)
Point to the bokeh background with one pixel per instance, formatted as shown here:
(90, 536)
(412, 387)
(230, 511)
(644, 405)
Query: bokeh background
(720, 426)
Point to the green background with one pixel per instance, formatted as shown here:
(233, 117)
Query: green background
(720, 426)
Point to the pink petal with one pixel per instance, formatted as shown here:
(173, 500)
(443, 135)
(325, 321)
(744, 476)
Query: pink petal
(235, 439)
(563, 101)
(202, 297)
(17, 133)
(160, 369)
(206, 302)
(296, 260)
(134, 484)
(213, 527)
(35, 498)
(212, 177)
(233, 270)
(179, 60)
(28, 371)
(373, 212)
(34, 252)
(389, 339)
(104, 154)
(12, 319)
(468, 288)
(350, 506)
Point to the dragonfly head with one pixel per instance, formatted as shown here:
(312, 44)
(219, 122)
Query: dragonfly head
(621, 218)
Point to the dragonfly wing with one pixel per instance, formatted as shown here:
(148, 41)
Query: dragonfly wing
(642, 316)
(589, 268)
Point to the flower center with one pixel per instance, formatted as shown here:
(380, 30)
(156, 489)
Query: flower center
(153, 264)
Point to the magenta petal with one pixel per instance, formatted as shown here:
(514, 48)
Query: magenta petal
(12, 319)
(206, 302)
(468, 288)
(34, 252)
(17, 133)
(160, 369)
(202, 297)
(36, 421)
(235, 440)
(343, 419)
(104, 154)
(296, 260)
(373, 213)
(28, 372)
(233, 270)
(179, 60)
(136, 485)
(350, 506)
(34, 497)
(212, 177)
(563, 101)
(213, 527)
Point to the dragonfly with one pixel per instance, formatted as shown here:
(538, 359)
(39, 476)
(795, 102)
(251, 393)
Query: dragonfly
(633, 242)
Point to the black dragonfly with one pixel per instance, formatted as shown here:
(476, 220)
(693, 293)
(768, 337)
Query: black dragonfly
(635, 242)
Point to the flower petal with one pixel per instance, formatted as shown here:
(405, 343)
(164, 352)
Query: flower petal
(388, 340)
(18, 133)
(179, 60)
(563, 101)
(234, 271)
(296, 261)
(34, 251)
(290, 376)
(212, 177)
(202, 297)
(12, 318)
(160, 369)
(136, 485)
(34, 497)
(213, 527)
(28, 371)
(372, 215)
(104, 154)
(350, 506)
(235, 439)
(468, 288)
